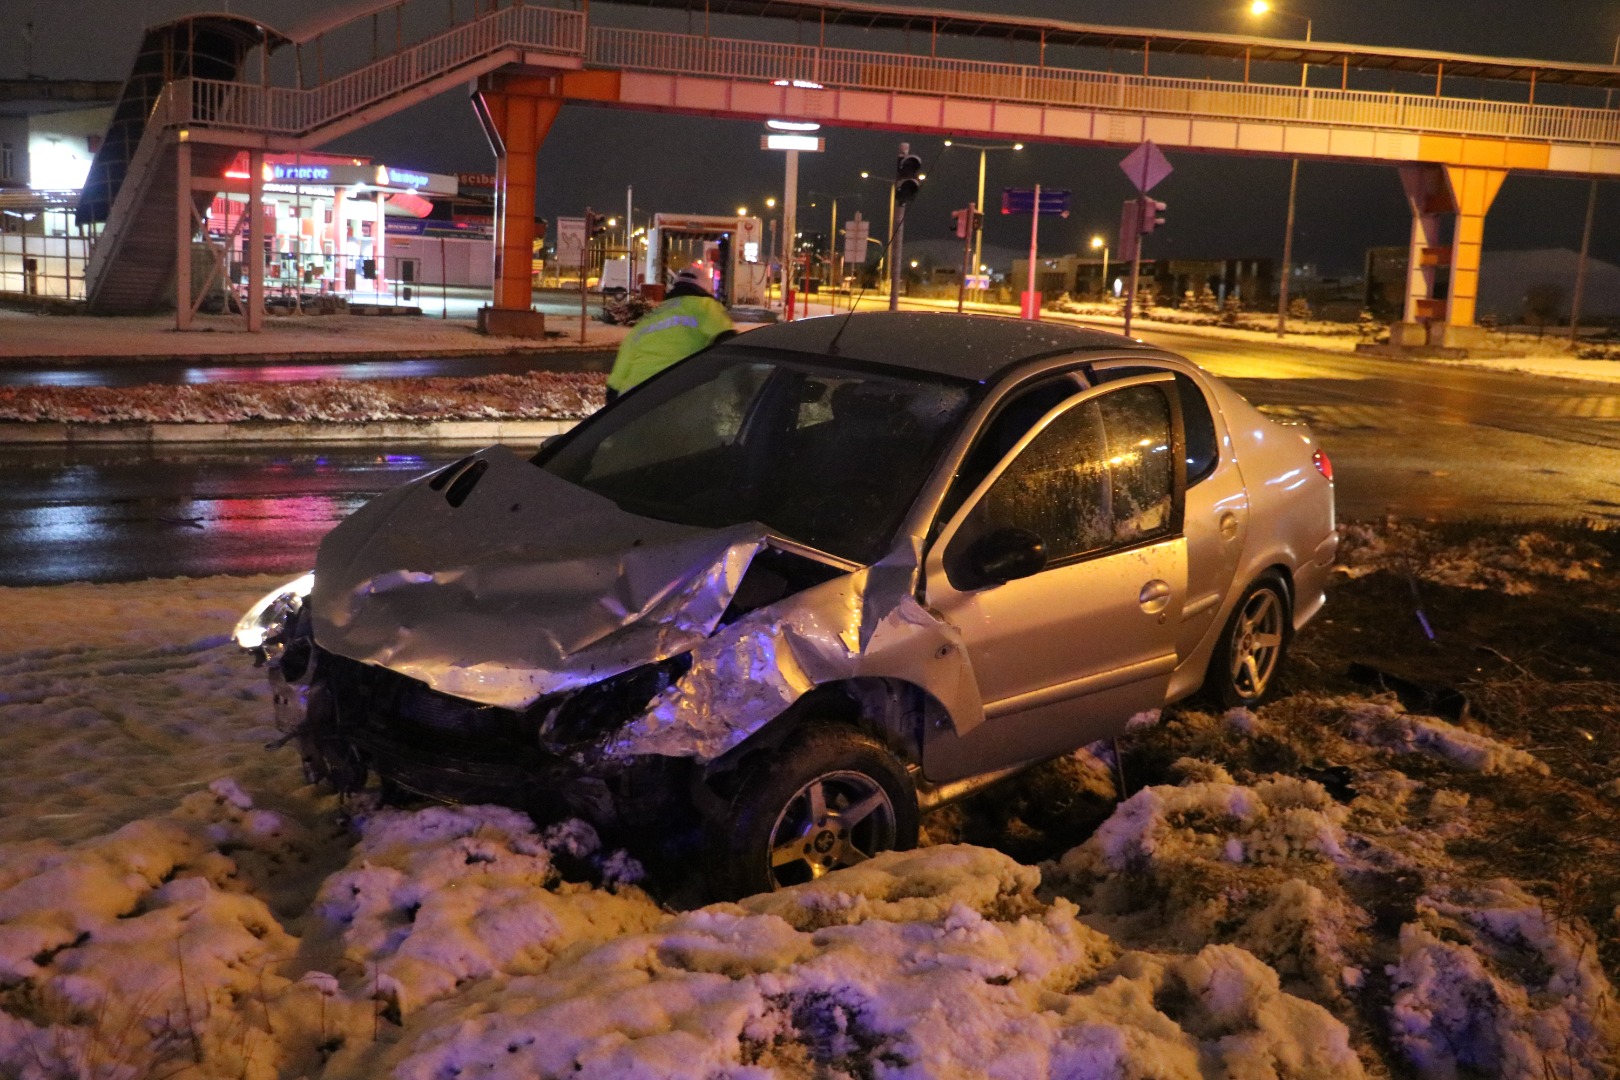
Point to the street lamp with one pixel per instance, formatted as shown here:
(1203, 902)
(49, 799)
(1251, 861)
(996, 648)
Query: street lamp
(888, 238)
(1260, 8)
(832, 236)
(978, 233)
(1099, 242)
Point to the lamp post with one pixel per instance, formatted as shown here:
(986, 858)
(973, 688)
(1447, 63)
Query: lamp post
(978, 233)
(888, 237)
(1259, 8)
(1099, 242)
(832, 236)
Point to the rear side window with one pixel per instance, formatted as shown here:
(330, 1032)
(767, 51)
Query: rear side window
(1203, 448)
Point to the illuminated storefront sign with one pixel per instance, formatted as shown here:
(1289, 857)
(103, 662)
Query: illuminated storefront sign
(392, 177)
(319, 174)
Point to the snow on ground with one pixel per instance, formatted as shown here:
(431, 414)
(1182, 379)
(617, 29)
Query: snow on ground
(173, 901)
(532, 395)
(1514, 568)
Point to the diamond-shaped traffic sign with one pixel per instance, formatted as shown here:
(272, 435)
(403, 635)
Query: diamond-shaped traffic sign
(1146, 166)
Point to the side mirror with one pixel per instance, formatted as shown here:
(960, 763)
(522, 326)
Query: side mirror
(1006, 555)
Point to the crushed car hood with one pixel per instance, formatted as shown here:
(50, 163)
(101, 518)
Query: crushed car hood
(530, 586)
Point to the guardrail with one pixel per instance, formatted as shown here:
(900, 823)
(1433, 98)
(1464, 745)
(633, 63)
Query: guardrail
(853, 69)
(276, 110)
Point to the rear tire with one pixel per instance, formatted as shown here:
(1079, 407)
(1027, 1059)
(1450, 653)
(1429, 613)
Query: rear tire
(830, 797)
(1248, 658)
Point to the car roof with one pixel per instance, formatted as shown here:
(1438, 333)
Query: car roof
(975, 347)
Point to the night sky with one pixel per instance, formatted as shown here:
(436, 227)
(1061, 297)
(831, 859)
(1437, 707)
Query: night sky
(1219, 205)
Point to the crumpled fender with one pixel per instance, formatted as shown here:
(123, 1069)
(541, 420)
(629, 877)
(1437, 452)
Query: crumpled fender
(863, 624)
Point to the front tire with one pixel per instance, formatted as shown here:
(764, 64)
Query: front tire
(829, 798)
(1248, 659)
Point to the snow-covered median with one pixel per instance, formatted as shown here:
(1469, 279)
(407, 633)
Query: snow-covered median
(173, 902)
(535, 395)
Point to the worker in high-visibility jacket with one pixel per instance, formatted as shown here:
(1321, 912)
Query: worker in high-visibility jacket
(687, 321)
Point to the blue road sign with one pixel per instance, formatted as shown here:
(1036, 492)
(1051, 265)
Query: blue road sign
(1022, 201)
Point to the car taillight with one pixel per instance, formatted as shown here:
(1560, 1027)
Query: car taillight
(1323, 463)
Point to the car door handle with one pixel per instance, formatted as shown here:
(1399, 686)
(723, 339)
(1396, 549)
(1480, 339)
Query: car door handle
(1154, 597)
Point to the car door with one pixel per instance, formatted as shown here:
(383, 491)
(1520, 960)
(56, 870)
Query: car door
(1069, 649)
(1217, 515)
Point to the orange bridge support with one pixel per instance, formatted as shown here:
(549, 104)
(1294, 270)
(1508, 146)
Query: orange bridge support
(1442, 284)
(517, 114)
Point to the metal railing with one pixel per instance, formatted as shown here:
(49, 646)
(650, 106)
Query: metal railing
(277, 110)
(671, 53)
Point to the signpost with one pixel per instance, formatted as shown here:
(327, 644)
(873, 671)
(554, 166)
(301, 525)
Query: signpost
(1145, 167)
(857, 234)
(1034, 202)
(570, 241)
(792, 144)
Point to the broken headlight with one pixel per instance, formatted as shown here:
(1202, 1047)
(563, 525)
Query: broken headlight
(262, 631)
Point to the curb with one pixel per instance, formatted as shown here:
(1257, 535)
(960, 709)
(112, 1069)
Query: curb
(245, 432)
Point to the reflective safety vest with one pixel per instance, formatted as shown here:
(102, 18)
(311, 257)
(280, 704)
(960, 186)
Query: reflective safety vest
(672, 331)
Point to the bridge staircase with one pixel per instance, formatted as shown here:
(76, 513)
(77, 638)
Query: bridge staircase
(135, 181)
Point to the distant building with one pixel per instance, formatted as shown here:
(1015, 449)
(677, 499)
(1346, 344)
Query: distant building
(1384, 292)
(1251, 280)
(1515, 287)
(50, 130)
(1538, 287)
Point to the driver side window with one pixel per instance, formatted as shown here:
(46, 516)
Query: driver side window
(1099, 476)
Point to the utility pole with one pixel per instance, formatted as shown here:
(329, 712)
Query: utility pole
(1586, 233)
(1032, 306)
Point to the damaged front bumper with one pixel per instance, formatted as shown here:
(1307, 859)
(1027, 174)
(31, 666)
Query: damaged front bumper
(350, 720)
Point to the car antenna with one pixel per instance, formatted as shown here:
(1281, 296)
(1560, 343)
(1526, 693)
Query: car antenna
(894, 230)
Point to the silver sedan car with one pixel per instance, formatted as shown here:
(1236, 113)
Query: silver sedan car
(794, 591)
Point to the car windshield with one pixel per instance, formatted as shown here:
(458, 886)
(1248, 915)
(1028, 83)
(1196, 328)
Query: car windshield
(826, 455)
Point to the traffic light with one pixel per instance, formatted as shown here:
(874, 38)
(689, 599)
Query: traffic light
(966, 222)
(907, 176)
(595, 224)
(1150, 210)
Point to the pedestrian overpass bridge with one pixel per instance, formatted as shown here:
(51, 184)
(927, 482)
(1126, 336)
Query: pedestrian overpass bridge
(207, 87)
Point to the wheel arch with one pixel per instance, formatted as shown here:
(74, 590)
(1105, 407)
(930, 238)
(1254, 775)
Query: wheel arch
(894, 711)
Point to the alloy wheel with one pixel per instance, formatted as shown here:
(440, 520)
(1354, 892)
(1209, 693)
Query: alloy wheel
(838, 819)
(1257, 644)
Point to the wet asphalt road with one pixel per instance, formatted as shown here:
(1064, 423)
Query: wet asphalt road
(1415, 440)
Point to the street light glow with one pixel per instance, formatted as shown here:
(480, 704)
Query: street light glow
(1097, 241)
(742, 211)
(1018, 146)
(770, 203)
(1259, 7)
